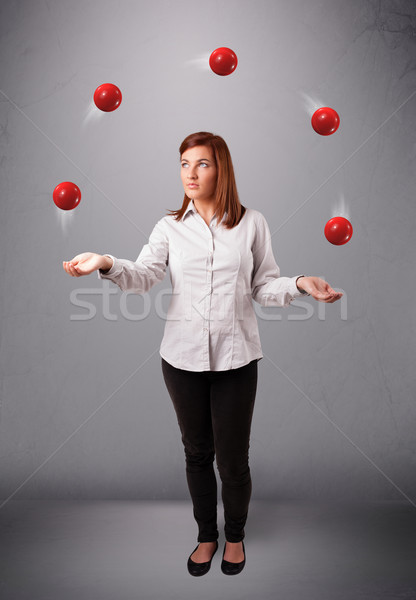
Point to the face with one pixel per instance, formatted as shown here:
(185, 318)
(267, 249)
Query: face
(199, 173)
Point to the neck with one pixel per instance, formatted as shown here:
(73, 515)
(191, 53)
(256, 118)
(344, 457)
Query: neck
(205, 207)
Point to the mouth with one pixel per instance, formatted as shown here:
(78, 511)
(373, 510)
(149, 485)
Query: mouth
(192, 185)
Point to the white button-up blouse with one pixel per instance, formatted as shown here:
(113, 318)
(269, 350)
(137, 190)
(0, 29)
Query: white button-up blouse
(215, 274)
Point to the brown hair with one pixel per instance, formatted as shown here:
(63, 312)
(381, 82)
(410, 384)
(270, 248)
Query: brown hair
(226, 195)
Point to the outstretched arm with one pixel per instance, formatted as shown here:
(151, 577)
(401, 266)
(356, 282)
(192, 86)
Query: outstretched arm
(137, 276)
(268, 288)
(149, 268)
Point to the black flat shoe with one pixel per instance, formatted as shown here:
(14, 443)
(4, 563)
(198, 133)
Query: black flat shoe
(198, 569)
(230, 568)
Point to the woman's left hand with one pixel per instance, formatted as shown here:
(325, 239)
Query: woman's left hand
(318, 288)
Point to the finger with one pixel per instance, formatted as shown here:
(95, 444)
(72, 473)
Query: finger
(326, 297)
(336, 297)
(73, 271)
(326, 289)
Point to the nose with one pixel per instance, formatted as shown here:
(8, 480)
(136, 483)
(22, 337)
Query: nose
(192, 173)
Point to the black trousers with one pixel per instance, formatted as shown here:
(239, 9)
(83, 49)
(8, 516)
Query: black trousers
(214, 410)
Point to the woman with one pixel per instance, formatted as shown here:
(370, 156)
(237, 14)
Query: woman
(220, 258)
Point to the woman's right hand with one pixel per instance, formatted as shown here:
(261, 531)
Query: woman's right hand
(85, 263)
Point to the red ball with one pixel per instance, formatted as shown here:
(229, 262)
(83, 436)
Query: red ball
(223, 61)
(107, 97)
(325, 120)
(66, 195)
(338, 231)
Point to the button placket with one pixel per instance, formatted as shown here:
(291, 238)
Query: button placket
(207, 301)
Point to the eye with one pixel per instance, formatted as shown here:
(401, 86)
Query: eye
(184, 164)
(202, 163)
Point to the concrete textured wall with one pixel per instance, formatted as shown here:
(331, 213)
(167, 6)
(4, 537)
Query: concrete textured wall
(84, 410)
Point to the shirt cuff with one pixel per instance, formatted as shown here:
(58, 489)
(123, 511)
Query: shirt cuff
(112, 271)
(296, 293)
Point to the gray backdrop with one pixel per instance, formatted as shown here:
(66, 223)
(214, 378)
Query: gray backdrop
(84, 409)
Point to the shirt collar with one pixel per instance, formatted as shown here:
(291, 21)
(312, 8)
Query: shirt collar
(191, 207)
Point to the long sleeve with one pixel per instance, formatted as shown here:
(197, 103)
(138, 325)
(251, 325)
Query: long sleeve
(268, 288)
(148, 269)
